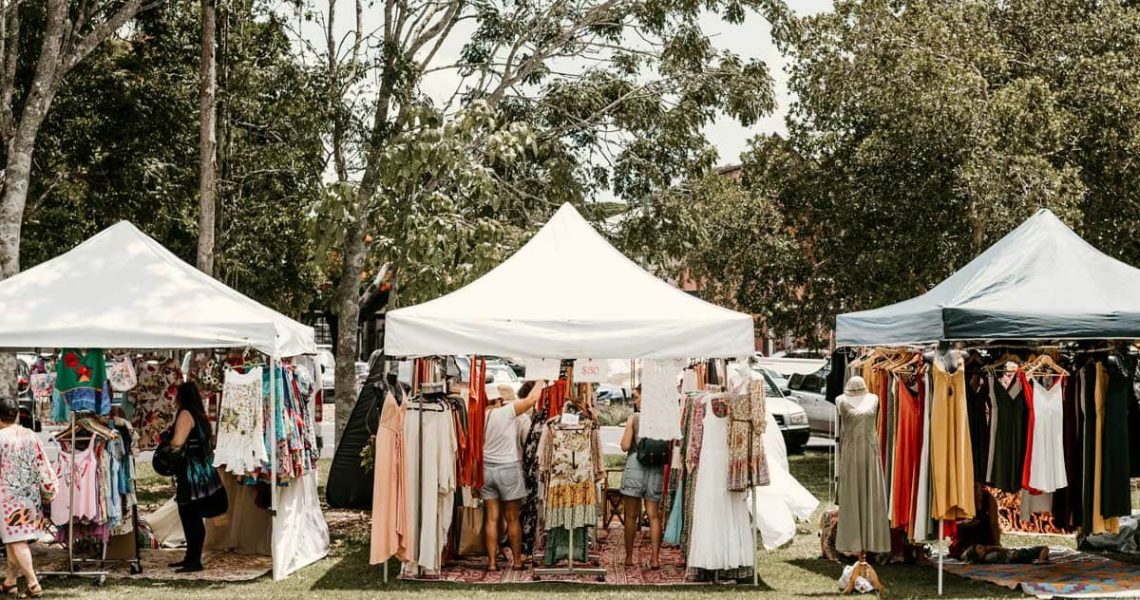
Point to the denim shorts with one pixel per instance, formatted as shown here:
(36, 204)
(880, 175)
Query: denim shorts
(503, 482)
(640, 481)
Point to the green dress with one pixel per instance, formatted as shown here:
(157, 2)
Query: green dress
(863, 522)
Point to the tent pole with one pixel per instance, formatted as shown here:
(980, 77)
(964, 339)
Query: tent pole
(941, 554)
(273, 460)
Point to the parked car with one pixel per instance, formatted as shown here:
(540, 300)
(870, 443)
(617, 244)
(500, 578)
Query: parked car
(809, 390)
(498, 372)
(790, 417)
(608, 394)
(778, 379)
(327, 362)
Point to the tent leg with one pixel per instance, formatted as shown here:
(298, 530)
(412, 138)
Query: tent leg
(273, 462)
(941, 553)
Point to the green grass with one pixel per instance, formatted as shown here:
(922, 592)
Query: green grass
(795, 571)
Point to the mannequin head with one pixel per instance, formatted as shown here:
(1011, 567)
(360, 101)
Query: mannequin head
(855, 387)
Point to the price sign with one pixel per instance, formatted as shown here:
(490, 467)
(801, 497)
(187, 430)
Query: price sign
(591, 371)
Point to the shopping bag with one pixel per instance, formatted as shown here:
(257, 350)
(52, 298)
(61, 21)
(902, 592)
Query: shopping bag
(471, 532)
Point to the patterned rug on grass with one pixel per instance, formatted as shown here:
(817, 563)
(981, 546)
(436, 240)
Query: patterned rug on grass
(220, 566)
(1069, 574)
(609, 553)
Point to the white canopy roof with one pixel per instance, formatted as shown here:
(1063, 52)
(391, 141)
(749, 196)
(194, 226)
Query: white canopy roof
(122, 289)
(569, 294)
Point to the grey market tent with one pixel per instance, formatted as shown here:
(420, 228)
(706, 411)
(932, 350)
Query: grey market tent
(1040, 281)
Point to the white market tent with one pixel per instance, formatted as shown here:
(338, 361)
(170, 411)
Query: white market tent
(569, 294)
(122, 289)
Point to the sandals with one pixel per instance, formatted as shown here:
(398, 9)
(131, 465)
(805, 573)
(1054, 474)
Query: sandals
(10, 590)
(36, 592)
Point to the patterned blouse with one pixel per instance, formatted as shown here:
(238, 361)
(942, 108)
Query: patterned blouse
(28, 481)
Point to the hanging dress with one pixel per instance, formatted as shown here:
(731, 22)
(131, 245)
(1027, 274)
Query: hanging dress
(863, 522)
(1047, 471)
(908, 449)
(390, 487)
(1009, 439)
(721, 534)
(1116, 489)
(241, 424)
(951, 458)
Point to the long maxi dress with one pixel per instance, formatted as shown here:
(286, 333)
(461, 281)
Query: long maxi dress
(863, 525)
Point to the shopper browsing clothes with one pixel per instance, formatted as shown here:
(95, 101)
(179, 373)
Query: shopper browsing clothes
(503, 484)
(28, 482)
(640, 482)
(199, 492)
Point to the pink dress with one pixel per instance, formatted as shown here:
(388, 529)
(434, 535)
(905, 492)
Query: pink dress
(389, 494)
(28, 480)
(86, 493)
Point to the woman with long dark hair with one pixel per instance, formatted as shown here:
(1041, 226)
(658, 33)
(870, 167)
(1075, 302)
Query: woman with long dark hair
(199, 491)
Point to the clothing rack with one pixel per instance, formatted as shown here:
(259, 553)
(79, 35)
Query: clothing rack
(135, 564)
(570, 569)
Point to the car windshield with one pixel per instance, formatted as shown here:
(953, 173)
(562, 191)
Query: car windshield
(502, 374)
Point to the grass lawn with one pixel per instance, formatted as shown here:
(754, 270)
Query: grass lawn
(794, 571)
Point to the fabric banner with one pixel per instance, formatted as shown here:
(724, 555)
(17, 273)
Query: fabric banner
(542, 368)
(660, 399)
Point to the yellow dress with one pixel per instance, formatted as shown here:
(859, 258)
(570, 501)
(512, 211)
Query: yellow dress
(1100, 524)
(951, 456)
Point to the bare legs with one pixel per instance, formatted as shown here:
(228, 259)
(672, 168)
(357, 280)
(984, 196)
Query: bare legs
(652, 509)
(514, 531)
(632, 525)
(20, 561)
(492, 509)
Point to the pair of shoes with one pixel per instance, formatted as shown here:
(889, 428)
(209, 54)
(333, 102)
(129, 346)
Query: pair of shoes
(35, 591)
(189, 569)
(10, 590)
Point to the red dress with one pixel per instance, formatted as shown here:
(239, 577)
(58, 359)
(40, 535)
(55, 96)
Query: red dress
(908, 451)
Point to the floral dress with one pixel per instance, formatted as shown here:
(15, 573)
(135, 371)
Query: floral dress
(156, 397)
(28, 481)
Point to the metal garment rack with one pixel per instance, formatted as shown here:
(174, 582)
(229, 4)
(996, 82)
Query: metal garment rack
(570, 569)
(135, 565)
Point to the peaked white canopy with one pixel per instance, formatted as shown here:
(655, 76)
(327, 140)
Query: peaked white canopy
(569, 294)
(122, 289)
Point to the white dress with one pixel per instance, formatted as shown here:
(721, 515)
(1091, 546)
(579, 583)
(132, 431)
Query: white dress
(722, 536)
(431, 499)
(241, 424)
(1047, 469)
(783, 500)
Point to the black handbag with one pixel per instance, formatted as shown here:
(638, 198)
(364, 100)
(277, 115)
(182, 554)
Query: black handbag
(165, 460)
(654, 453)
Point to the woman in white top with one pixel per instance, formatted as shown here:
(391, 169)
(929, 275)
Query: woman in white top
(503, 484)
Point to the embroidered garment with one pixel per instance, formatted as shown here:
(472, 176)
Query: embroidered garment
(572, 457)
(747, 465)
(241, 436)
(81, 378)
(28, 480)
(155, 397)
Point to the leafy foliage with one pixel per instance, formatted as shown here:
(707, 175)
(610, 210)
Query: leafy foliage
(121, 143)
(921, 132)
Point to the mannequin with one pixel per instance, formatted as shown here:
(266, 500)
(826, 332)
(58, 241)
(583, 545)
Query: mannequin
(863, 525)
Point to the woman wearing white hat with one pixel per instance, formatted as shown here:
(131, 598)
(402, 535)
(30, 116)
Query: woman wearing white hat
(503, 483)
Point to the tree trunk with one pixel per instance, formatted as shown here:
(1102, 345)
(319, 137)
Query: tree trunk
(207, 140)
(348, 321)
